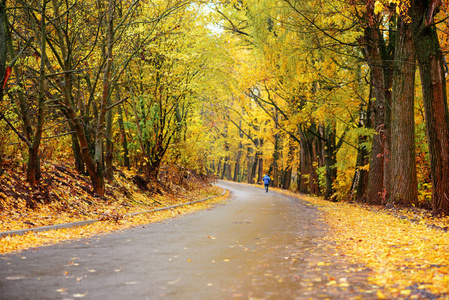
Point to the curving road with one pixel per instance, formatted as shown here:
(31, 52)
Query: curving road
(258, 245)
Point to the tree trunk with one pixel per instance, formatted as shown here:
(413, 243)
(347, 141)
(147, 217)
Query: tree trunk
(360, 180)
(100, 133)
(3, 46)
(225, 168)
(109, 171)
(376, 166)
(331, 160)
(249, 179)
(378, 56)
(260, 162)
(287, 178)
(3, 52)
(388, 86)
(33, 171)
(126, 163)
(237, 163)
(305, 167)
(403, 163)
(79, 162)
(228, 172)
(317, 162)
(219, 167)
(260, 169)
(431, 68)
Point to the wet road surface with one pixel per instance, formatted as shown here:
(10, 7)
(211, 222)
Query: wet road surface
(258, 245)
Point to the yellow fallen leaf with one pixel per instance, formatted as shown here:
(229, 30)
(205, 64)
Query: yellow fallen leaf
(380, 295)
(79, 295)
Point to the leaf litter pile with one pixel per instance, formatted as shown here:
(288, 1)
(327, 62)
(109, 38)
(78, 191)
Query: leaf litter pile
(407, 249)
(64, 196)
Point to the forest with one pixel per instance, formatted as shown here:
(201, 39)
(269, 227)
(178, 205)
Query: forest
(344, 99)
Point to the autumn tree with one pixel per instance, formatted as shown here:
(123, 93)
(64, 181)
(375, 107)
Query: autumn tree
(403, 163)
(433, 81)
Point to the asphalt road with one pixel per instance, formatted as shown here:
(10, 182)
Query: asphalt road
(256, 246)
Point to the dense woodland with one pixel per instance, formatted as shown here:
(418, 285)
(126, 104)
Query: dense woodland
(346, 99)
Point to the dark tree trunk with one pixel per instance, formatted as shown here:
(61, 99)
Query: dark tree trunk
(109, 171)
(330, 151)
(388, 85)
(237, 163)
(225, 167)
(126, 163)
(260, 169)
(254, 167)
(305, 167)
(3, 52)
(403, 163)
(287, 178)
(317, 161)
(33, 171)
(376, 167)
(79, 162)
(228, 172)
(431, 68)
(360, 180)
(249, 179)
(378, 56)
(309, 152)
(260, 162)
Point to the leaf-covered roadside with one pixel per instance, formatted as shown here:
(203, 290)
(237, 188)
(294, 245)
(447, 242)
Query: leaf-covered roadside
(408, 250)
(64, 196)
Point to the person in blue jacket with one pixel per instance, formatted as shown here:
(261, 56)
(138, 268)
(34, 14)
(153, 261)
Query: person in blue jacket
(266, 181)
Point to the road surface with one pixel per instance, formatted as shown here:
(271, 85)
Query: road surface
(255, 246)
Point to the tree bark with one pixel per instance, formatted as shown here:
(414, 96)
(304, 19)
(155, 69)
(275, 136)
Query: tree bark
(360, 180)
(331, 160)
(3, 52)
(403, 162)
(287, 178)
(431, 68)
(126, 163)
(237, 163)
(33, 171)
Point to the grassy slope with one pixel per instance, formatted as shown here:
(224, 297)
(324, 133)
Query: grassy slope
(65, 196)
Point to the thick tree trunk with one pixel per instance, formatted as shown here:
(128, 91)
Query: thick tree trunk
(388, 85)
(79, 162)
(378, 54)
(431, 68)
(228, 172)
(376, 167)
(403, 163)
